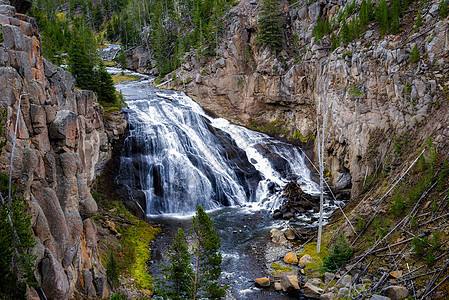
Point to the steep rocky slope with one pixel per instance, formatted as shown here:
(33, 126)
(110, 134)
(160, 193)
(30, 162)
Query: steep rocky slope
(61, 146)
(370, 91)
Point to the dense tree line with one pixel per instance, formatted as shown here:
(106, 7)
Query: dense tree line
(167, 28)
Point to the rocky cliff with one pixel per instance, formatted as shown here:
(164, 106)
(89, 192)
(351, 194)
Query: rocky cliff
(371, 93)
(61, 146)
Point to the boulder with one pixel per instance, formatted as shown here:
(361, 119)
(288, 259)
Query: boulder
(342, 292)
(312, 288)
(291, 258)
(327, 296)
(262, 282)
(307, 259)
(328, 277)
(64, 127)
(277, 286)
(290, 283)
(277, 236)
(54, 283)
(290, 235)
(395, 292)
(345, 281)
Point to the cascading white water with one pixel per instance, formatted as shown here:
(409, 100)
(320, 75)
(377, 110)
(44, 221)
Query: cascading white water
(180, 157)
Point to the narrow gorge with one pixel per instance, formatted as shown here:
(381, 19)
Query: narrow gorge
(209, 112)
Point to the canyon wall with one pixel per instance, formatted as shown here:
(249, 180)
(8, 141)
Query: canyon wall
(61, 146)
(371, 93)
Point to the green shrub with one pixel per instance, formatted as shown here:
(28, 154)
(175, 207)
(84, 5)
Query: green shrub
(360, 225)
(414, 55)
(117, 296)
(443, 10)
(339, 255)
(418, 22)
(112, 270)
(398, 206)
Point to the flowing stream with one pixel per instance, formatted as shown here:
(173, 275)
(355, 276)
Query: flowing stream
(179, 158)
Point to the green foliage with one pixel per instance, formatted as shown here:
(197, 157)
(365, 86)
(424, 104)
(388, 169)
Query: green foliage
(104, 86)
(178, 273)
(407, 89)
(121, 59)
(360, 224)
(350, 8)
(444, 173)
(16, 238)
(355, 90)
(339, 255)
(414, 55)
(112, 270)
(207, 257)
(117, 296)
(418, 22)
(398, 206)
(382, 16)
(321, 29)
(421, 164)
(366, 14)
(1, 34)
(270, 26)
(443, 9)
(425, 248)
(395, 15)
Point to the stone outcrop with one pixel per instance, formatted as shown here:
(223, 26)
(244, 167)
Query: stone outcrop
(370, 91)
(61, 147)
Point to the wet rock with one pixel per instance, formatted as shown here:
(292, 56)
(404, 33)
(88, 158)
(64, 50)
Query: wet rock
(277, 214)
(289, 283)
(288, 215)
(291, 258)
(395, 292)
(262, 282)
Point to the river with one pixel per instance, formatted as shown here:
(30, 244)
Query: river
(180, 157)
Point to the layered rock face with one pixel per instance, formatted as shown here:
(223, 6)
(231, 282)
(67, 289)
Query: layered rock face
(61, 146)
(369, 91)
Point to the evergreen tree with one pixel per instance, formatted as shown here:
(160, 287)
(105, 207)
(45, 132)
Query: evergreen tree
(121, 59)
(179, 273)
(270, 25)
(105, 85)
(395, 15)
(414, 55)
(207, 257)
(16, 238)
(366, 14)
(345, 33)
(382, 16)
(443, 9)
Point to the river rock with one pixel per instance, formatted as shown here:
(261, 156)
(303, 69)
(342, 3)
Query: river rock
(307, 259)
(277, 286)
(312, 288)
(395, 292)
(262, 282)
(290, 283)
(289, 234)
(277, 236)
(291, 258)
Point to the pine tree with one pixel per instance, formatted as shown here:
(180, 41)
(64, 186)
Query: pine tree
(345, 33)
(443, 10)
(382, 16)
(16, 237)
(179, 273)
(414, 55)
(270, 26)
(105, 85)
(207, 257)
(395, 15)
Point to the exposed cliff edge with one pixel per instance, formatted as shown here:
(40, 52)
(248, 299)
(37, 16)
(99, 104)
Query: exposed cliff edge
(61, 146)
(371, 92)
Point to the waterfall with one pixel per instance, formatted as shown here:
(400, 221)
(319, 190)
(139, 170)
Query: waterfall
(180, 158)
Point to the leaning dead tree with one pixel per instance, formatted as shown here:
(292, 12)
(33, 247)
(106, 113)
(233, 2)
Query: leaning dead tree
(320, 139)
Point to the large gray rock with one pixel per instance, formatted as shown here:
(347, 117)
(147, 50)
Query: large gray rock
(64, 127)
(379, 297)
(290, 283)
(395, 292)
(312, 288)
(54, 283)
